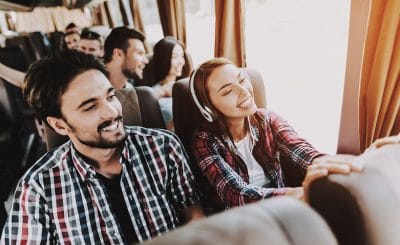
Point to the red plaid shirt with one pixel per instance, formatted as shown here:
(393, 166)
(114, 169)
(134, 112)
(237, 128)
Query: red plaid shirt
(229, 182)
(61, 200)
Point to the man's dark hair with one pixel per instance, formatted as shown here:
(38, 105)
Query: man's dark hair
(119, 38)
(90, 35)
(47, 79)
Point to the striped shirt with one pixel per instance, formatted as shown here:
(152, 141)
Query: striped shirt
(226, 182)
(60, 199)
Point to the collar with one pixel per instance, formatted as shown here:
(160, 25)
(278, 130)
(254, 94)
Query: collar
(254, 134)
(86, 169)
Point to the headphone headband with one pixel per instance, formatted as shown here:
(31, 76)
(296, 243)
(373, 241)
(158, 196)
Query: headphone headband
(205, 111)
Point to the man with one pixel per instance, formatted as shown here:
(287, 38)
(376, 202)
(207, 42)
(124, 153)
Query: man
(91, 43)
(109, 184)
(124, 56)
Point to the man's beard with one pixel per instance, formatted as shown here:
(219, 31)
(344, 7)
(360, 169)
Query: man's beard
(101, 142)
(130, 74)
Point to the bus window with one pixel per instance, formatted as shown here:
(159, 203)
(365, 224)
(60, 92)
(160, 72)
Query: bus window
(151, 20)
(300, 47)
(200, 28)
(113, 6)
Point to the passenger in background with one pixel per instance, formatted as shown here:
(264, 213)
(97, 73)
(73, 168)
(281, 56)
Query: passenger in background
(72, 27)
(238, 147)
(91, 43)
(72, 39)
(124, 56)
(167, 63)
(110, 183)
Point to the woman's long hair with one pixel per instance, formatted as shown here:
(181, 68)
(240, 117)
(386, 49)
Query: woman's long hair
(162, 53)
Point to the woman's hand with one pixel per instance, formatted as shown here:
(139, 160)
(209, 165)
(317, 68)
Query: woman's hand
(325, 165)
(384, 141)
(296, 192)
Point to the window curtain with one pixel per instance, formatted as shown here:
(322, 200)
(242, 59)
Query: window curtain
(173, 22)
(172, 17)
(229, 31)
(380, 79)
(110, 19)
(138, 21)
(137, 16)
(126, 13)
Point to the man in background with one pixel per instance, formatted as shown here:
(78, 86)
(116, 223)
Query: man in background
(125, 56)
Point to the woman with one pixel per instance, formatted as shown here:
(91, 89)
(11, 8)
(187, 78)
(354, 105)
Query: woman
(238, 146)
(168, 60)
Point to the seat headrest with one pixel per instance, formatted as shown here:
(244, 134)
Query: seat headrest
(280, 220)
(363, 208)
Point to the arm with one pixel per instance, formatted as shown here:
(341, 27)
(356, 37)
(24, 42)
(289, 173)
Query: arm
(193, 212)
(11, 75)
(290, 143)
(211, 157)
(182, 185)
(28, 221)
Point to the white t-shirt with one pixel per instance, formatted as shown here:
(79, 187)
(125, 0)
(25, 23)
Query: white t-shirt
(256, 173)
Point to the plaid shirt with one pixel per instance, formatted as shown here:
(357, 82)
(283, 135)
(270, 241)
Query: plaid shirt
(60, 199)
(229, 182)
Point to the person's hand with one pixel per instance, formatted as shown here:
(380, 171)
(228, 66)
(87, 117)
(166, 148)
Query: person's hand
(322, 166)
(384, 141)
(296, 192)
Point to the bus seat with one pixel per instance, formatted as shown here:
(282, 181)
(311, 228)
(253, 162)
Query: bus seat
(40, 43)
(139, 107)
(280, 220)
(26, 47)
(14, 57)
(363, 208)
(149, 108)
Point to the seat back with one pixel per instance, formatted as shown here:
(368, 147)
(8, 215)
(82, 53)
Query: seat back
(363, 208)
(139, 107)
(40, 43)
(280, 220)
(26, 47)
(186, 114)
(13, 56)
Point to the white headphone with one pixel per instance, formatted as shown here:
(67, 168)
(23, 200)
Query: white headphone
(204, 110)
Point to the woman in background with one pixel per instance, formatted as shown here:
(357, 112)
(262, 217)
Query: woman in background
(168, 61)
